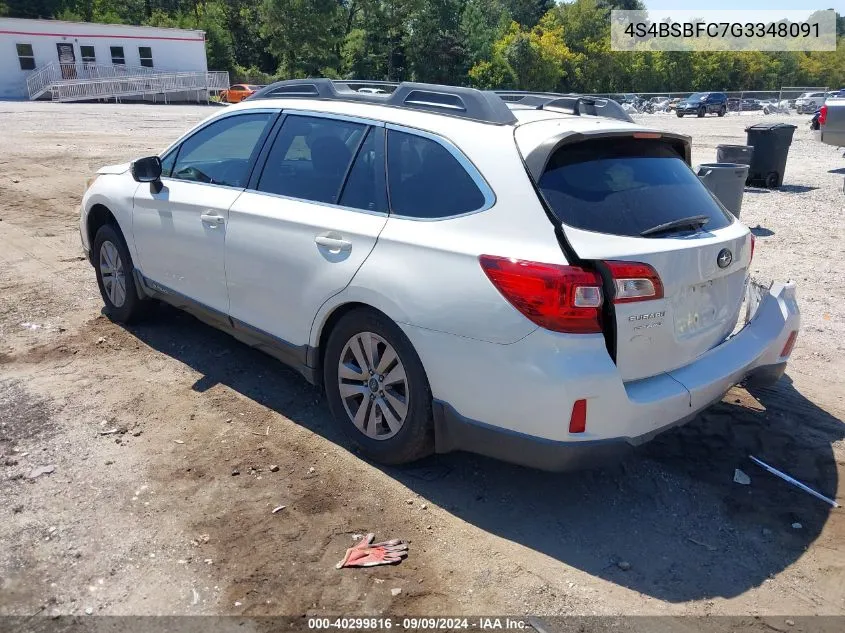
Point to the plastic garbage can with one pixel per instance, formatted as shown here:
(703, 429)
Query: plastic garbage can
(739, 154)
(726, 181)
(771, 143)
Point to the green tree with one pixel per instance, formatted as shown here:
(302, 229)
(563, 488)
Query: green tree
(482, 23)
(303, 35)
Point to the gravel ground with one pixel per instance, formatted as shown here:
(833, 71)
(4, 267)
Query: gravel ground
(161, 439)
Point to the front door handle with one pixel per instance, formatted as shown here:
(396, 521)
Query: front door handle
(212, 218)
(333, 243)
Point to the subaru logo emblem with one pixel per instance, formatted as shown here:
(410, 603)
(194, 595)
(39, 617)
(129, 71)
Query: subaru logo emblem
(724, 258)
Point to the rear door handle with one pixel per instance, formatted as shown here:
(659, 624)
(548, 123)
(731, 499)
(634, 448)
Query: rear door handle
(333, 243)
(212, 218)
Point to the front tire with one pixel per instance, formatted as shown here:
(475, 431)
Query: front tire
(377, 388)
(680, 114)
(115, 278)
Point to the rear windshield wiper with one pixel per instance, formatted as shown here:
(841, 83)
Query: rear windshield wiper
(692, 222)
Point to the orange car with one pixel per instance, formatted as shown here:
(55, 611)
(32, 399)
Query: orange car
(238, 92)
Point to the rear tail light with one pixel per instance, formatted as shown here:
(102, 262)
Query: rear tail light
(790, 343)
(578, 419)
(753, 241)
(633, 281)
(823, 115)
(555, 297)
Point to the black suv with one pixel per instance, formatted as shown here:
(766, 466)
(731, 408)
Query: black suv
(701, 103)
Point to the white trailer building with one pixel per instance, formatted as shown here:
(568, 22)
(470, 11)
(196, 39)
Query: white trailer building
(69, 61)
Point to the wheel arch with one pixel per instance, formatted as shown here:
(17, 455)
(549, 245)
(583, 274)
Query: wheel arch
(98, 216)
(327, 324)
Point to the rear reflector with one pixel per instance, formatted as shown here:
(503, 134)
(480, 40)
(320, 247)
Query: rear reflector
(647, 135)
(555, 297)
(633, 281)
(790, 343)
(578, 419)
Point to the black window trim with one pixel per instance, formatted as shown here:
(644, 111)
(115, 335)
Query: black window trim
(257, 151)
(91, 59)
(122, 55)
(23, 57)
(258, 169)
(472, 171)
(141, 58)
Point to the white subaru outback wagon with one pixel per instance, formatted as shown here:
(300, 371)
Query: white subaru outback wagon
(528, 276)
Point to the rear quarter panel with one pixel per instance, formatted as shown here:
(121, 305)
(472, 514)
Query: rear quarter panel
(426, 273)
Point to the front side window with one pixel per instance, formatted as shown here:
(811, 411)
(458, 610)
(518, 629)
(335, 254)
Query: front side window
(88, 55)
(625, 187)
(426, 181)
(26, 58)
(117, 56)
(310, 158)
(146, 55)
(220, 153)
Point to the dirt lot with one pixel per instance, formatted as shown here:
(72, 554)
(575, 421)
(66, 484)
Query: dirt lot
(152, 519)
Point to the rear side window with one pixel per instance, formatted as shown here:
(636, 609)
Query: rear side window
(311, 157)
(625, 187)
(426, 181)
(220, 152)
(364, 188)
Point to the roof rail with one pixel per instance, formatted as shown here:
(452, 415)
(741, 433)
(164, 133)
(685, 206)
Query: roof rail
(569, 103)
(465, 103)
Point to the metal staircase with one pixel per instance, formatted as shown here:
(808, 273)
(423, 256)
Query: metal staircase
(81, 81)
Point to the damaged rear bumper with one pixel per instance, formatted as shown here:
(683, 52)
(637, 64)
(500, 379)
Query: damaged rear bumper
(621, 419)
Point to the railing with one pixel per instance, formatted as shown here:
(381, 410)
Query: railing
(159, 83)
(74, 82)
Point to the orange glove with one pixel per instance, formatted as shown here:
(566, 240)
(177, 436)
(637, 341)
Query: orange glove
(365, 553)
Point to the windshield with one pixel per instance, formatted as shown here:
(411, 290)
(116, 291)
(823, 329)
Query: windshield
(626, 187)
(698, 96)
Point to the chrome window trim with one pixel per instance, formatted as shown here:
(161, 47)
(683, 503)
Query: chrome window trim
(314, 202)
(468, 166)
(331, 115)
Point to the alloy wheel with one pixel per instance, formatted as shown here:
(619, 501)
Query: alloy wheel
(373, 386)
(112, 273)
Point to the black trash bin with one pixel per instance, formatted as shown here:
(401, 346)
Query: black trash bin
(771, 143)
(737, 154)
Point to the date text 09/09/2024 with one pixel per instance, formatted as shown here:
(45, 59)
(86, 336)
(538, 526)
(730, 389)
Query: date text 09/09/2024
(419, 623)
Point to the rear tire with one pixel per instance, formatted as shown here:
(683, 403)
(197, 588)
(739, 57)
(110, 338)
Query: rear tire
(722, 111)
(115, 277)
(772, 180)
(404, 388)
(680, 115)
(701, 112)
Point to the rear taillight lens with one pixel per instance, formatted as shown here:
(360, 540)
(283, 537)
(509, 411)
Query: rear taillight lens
(790, 343)
(578, 419)
(633, 281)
(823, 115)
(555, 297)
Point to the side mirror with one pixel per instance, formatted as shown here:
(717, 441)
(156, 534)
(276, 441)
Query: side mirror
(147, 169)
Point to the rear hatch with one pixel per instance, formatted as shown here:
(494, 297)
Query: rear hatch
(673, 261)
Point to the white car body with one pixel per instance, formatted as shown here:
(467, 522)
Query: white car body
(810, 102)
(501, 385)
